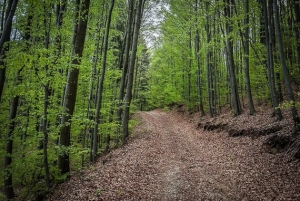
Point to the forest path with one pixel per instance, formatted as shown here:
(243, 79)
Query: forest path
(169, 159)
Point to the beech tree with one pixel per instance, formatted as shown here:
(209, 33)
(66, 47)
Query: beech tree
(125, 62)
(246, 60)
(128, 96)
(72, 72)
(285, 70)
(5, 37)
(223, 33)
(100, 89)
(71, 88)
(6, 26)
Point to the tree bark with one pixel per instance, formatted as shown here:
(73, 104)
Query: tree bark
(2, 16)
(208, 61)
(128, 95)
(8, 188)
(125, 64)
(197, 55)
(71, 89)
(5, 37)
(285, 69)
(45, 132)
(100, 89)
(271, 78)
(246, 60)
(189, 68)
(231, 66)
(297, 28)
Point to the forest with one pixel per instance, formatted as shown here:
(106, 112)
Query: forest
(72, 74)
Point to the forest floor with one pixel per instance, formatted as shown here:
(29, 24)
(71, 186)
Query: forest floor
(169, 158)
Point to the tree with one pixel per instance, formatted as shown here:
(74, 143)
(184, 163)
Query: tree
(127, 41)
(246, 60)
(231, 66)
(71, 88)
(297, 29)
(197, 53)
(100, 89)
(128, 96)
(268, 37)
(5, 37)
(285, 70)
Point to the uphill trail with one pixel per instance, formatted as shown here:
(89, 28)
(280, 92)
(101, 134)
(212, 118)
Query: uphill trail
(167, 158)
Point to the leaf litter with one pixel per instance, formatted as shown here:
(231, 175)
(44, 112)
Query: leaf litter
(168, 158)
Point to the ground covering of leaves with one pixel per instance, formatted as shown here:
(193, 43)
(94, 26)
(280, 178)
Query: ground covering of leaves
(168, 158)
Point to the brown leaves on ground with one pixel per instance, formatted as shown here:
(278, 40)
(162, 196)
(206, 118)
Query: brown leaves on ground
(167, 158)
(262, 123)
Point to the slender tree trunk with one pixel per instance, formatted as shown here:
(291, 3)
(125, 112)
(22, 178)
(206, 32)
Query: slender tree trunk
(135, 83)
(128, 95)
(5, 37)
(208, 60)
(189, 67)
(231, 66)
(94, 81)
(268, 34)
(60, 10)
(2, 17)
(47, 93)
(100, 90)
(246, 60)
(279, 88)
(197, 42)
(8, 188)
(297, 28)
(71, 88)
(197, 54)
(125, 65)
(285, 70)
(214, 70)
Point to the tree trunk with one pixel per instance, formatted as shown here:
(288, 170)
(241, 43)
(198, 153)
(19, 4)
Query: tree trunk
(8, 188)
(93, 81)
(71, 89)
(231, 66)
(271, 78)
(47, 94)
(297, 28)
(125, 65)
(100, 90)
(197, 54)
(45, 132)
(208, 61)
(285, 70)
(135, 83)
(2, 17)
(5, 37)
(246, 60)
(128, 95)
(189, 68)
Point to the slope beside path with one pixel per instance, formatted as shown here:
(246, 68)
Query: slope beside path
(167, 158)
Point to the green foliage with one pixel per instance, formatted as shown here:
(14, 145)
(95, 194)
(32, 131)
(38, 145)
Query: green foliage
(165, 75)
(39, 65)
(172, 79)
(98, 192)
(289, 104)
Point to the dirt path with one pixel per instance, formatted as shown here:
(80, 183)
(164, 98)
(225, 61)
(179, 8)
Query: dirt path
(169, 159)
